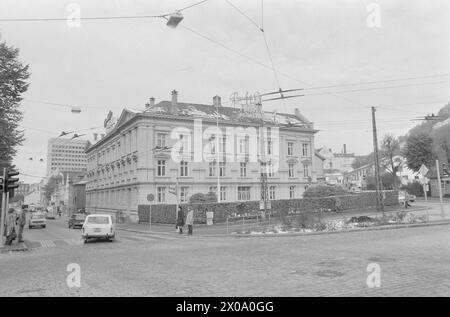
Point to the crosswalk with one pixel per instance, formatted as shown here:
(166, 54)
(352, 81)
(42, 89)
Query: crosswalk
(119, 239)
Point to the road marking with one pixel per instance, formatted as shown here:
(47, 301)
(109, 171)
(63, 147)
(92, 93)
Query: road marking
(47, 244)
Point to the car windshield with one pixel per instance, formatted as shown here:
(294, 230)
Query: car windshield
(38, 216)
(98, 220)
(80, 217)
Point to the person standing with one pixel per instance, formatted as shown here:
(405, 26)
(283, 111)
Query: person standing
(180, 220)
(21, 221)
(190, 221)
(10, 223)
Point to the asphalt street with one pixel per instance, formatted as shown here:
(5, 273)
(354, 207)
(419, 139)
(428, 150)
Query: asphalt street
(412, 262)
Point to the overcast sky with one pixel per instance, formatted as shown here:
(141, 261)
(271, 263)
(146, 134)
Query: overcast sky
(105, 65)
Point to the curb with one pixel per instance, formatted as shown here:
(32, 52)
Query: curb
(385, 227)
(168, 234)
(15, 249)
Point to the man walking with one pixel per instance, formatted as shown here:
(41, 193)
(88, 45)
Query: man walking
(180, 220)
(190, 221)
(21, 221)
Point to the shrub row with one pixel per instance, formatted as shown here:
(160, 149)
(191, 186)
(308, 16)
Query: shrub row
(167, 213)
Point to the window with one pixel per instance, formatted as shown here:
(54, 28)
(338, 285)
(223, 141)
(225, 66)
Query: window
(243, 169)
(305, 149)
(223, 145)
(222, 169)
(270, 170)
(213, 189)
(243, 145)
(291, 191)
(223, 193)
(185, 148)
(212, 168)
(212, 144)
(161, 194)
(291, 170)
(161, 168)
(161, 140)
(272, 192)
(184, 194)
(183, 168)
(244, 193)
(290, 148)
(269, 147)
(305, 170)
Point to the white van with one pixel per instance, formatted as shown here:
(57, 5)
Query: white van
(98, 226)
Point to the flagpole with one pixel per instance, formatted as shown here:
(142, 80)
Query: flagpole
(217, 149)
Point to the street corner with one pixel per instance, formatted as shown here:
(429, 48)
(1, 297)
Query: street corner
(18, 247)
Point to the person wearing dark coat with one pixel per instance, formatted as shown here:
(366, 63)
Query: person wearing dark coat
(180, 220)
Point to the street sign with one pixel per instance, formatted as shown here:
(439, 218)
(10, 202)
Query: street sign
(423, 170)
(268, 204)
(150, 197)
(173, 190)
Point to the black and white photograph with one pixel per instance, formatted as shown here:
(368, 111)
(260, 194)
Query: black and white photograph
(224, 154)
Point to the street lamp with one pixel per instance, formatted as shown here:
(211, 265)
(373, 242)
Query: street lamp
(174, 19)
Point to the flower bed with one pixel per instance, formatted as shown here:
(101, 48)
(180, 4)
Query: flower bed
(398, 218)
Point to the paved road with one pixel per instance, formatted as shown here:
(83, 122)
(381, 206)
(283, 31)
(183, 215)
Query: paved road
(57, 234)
(413, 262)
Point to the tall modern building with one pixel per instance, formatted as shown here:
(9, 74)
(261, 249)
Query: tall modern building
(173, 143)
(66, 156)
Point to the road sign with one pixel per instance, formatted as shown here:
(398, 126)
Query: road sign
(150, 197)
(173, 190)
(423, 170)
(268, 204)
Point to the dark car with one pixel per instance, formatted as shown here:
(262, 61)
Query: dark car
(77, 220)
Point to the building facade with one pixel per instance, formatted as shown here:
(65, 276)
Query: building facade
(172, 150)
(66, 155)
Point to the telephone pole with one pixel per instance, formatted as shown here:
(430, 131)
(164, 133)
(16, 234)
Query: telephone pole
(380, 206)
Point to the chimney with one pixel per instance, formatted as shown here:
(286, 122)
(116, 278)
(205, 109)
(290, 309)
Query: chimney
(297, 113)
(95, 136)
(217, 101)
(150, 103)
(174, 106)
(102, 135)
(345, 149)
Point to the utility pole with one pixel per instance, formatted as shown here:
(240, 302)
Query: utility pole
(4, 205)
(440, 190)
(380, 206)
(263, 161)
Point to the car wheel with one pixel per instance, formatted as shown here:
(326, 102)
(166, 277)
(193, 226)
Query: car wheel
(85, 240)
(29, 227)
(44, 226)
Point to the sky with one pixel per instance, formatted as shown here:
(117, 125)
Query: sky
(107, 65)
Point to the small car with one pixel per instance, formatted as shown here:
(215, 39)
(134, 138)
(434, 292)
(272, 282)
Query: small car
(98, 226)
(50, 215)
(37, 219)
(76, 221)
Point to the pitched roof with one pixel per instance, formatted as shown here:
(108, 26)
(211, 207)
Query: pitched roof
(226, 113)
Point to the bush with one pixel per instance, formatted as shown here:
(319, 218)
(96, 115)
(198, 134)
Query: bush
(325, 191)
(414, 188)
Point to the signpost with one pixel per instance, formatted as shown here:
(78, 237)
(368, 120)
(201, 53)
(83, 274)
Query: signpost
(440, 189)
(150, 198)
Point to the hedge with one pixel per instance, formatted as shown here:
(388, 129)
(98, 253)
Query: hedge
(167, 213)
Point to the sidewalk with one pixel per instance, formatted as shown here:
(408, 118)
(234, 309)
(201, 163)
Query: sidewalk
(220, 229)
(15, 247)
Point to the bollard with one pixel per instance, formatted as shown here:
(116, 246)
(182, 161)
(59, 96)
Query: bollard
(227, 225)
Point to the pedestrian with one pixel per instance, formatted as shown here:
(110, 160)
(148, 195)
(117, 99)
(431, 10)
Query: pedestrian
(21, 220)
(180, 220)
(190, 221)
(10, 223)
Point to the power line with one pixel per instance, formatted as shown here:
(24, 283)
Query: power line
(102, 17)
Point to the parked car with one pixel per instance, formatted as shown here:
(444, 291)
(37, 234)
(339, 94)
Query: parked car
(50, 215)
(403, 196)
(77, 220)
(98, 226)
(37, 219)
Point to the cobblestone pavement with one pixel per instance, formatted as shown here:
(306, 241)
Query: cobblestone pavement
(413, 262)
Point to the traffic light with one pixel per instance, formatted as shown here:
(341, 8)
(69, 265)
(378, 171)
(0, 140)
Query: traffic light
(2, 183)
(11, 182)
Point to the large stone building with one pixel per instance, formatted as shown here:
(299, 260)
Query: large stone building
(173, 145)
(66, 155)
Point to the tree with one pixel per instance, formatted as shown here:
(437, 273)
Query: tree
(389, 150)
(200, 198)
(362, 160)
(51, 186)
(13, 83)
(419, 150)
(17, 198)
(388, 181)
